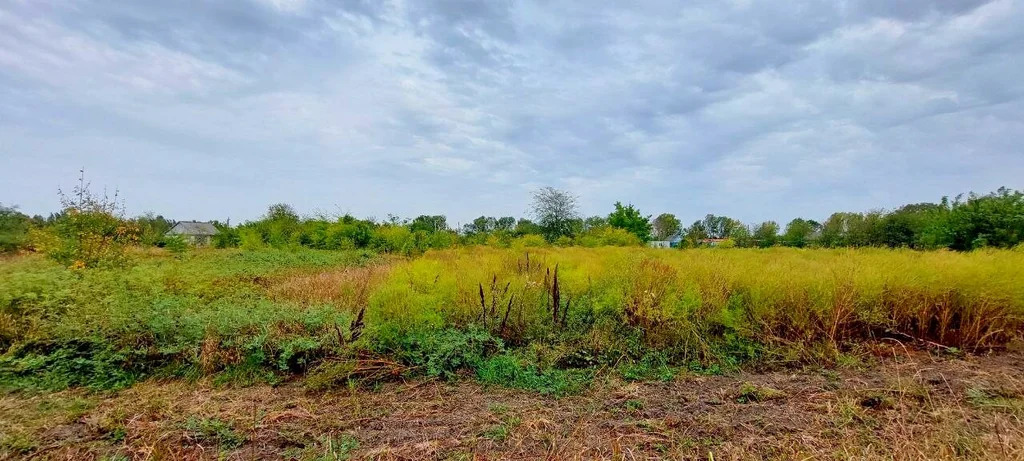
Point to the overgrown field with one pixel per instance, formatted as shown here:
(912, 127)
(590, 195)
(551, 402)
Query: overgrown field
(544, 319)
(550, 321)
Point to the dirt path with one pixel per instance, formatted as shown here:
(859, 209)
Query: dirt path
(915, 407)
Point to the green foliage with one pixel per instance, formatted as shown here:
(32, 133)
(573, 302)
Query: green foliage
(750, 393)
(766, 234)
(213, 431)
(176, 245)
(606, 236)
(509, 371)
(799, 232)
(151, 228)
(665, 226)
(78, 363)
(652, 367)
(501, 432)
(995, 219)
(106, 328)
(629, 218)
(437, 353)
(14, 228)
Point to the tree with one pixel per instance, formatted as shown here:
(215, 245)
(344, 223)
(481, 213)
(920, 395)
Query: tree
(526, 227)
(505, 224)
(665, 226)
(629, 218)
(152, 228)
(766, 234)
(799, 232)
(429, 224)
(594, 222)
(14, 227)
(480, 226)
(281, 212)
(555, 210)
(741, 236)
(995, 219)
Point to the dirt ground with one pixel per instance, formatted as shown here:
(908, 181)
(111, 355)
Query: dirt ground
(912, 405)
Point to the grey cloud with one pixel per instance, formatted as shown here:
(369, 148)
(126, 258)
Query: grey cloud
(756, 109)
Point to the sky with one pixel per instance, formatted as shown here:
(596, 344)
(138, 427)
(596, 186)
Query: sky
(753, 109)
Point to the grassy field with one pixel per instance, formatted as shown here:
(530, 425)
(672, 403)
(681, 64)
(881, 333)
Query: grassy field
(554, 322)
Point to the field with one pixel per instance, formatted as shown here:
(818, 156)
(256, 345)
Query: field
(525, 353)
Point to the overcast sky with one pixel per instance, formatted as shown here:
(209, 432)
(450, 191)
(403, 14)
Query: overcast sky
(756, 110)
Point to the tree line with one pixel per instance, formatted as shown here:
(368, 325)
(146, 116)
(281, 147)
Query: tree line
(88, 226)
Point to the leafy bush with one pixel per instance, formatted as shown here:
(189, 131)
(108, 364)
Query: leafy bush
(90, 231)
(509, 371)
(14, 229)
(441, 353)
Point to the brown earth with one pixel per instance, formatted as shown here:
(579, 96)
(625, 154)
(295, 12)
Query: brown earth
(912, 405)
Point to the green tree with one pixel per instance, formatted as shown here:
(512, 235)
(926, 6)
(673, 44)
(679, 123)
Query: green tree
(629, 218)
(995, 219)
(594, 222)
(526, 227)
(799, 232)
(665, 226)
(429, 224)
(741, 236)
(14, 227)
(766, 234)
(152, 228)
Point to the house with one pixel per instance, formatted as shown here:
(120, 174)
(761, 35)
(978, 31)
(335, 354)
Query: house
(711, 242)
(672, 242)
(194, 232)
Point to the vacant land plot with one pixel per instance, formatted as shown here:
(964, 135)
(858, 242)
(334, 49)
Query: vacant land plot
(524, 353)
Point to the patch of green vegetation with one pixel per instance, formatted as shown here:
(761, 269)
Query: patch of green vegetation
(633, 405)
(510, 371)
(500, 432)
(999, 399)
(750, 392)
(327, 448)
(17, 444)
(437, 353)
(105, 328)
(213, 431)
(652, 367)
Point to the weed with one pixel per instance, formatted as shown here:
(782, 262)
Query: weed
(213, 430)
(510, 371)
(500, 432)
(749, 393)
(999, 399)
(633, 405)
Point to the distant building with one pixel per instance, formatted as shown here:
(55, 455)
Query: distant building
(711, 242)
(194, 232)
(672, 242)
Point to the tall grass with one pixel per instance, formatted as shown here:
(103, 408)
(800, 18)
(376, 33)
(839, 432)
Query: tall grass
(502, 313)
(711, 304)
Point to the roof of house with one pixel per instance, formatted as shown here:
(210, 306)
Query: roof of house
(193, 228)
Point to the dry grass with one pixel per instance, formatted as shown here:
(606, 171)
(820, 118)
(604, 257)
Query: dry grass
(345, 287)
(913, 406)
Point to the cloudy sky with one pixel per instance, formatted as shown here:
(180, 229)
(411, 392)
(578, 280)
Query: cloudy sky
(757, 110)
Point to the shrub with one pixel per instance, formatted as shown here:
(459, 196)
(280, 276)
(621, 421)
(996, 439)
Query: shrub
(90, 230)
(176, 245)
(14, 229)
